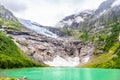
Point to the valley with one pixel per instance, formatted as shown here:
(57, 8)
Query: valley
(88, 39)
(78, 39)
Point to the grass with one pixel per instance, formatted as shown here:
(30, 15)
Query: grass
(13, 25)
(22, 43)
(1, 78)
(101, 61)
(110, 58)
(11, 56)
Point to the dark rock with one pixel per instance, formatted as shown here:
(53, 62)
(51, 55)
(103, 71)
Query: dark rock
(16, 32)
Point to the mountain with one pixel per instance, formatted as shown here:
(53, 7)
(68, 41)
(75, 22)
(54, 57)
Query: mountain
(103, 29)
(100, 27)
(6, 14)
(95, 44)
(11, 56)
(104, 6)
(75, 20)
(56, 31)
(106, 13)
(93, 20)
(11, 20)
(8, 21)
(97, 17)
(40, 48)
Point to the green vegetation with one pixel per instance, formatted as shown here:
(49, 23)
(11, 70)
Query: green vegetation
(11, 56)
(1, 78)
(84, 36)
(110, 58)
(67, 31)
(13, 25)
(22, 43)
(102, 60)
(1, 22)
(70, 32)
(113, 37)
(107, 50)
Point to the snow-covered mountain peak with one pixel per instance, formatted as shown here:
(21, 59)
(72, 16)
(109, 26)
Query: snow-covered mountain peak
(87, 12)
(75, 20)
(116, 3)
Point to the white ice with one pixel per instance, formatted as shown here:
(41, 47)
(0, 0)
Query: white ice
(38, 29)
(61, 62)
(79, 19)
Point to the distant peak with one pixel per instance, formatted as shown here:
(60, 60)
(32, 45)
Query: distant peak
(116, 3)
(104, 5)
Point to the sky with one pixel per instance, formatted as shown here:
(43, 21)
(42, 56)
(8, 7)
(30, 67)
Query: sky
(48, 12)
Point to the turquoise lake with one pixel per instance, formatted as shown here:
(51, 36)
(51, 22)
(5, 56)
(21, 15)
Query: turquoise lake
(62, 73)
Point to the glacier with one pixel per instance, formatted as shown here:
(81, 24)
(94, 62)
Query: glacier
(38, 29)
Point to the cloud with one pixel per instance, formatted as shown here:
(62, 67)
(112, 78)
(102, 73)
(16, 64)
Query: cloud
(14, 5)
(48, 12)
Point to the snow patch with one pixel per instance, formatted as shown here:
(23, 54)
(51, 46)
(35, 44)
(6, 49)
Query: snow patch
(69, 22)
(63, 23)
(79, 19)
(86, 59)
(116, 3)
(85, 12)
(88, 11)
(61, 62)
(101, 27)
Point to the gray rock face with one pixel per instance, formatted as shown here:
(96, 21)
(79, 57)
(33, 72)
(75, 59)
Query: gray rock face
(56, 31)
(6, 14)
(105, 14)
(104, 6)
(75, 20)
(42, 49)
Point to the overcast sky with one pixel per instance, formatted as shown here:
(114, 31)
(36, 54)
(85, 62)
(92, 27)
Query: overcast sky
(48, 12)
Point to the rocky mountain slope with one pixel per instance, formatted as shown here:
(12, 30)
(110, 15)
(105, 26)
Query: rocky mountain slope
(45, 47)
(106, 13)
(54, 52)
(6, 14)
(11, 56)
(43, 30)
(75, 20)
(96, 45)
(102, 29)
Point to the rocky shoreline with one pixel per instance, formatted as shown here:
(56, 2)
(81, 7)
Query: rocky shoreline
(24, 78)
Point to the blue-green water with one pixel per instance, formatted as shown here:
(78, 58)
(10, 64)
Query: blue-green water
(62, 73)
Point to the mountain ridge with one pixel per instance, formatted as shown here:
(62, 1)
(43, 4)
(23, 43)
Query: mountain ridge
(93, 39)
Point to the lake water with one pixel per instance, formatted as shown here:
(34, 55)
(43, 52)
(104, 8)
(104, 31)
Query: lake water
(62, 73)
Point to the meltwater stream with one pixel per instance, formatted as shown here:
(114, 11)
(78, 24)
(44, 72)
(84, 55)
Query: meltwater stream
(62, 73)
